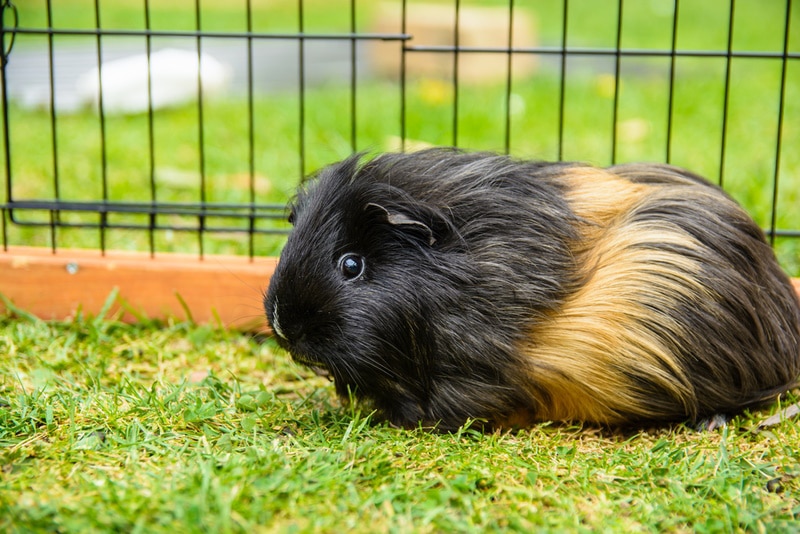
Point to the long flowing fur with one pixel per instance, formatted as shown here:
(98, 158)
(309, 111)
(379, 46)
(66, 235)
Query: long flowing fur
(520, 291)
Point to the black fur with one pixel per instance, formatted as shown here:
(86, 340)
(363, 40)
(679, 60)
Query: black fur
(466, 253)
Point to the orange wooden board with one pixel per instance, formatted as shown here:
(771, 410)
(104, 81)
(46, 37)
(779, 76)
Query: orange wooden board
(57, 286)
(228, 289)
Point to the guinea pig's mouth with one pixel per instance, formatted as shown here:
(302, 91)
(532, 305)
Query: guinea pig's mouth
(319, 368)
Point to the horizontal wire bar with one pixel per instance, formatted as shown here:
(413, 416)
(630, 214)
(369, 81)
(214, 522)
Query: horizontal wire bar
(224, 35)
(274, 211)
(783, 233)
(407, 37)
(178, 228)
(583, 51)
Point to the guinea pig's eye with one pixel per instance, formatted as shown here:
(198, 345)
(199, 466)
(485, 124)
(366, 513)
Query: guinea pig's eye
(351, 266)
(290, 218)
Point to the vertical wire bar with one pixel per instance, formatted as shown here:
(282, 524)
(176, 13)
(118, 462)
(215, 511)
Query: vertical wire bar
(201, 219)
(251, 150)
(671, 95)
(6, 125)
(3, 215)
(53, 126)
(617, 67)
(773, 223)
(150, 134)
(102, 117)
(353, 76)
(53, 223)
(302, 88)
(563, 84)
(456, 44)
(509, 67)
(726, 95)
(6, 143)
(403, 92)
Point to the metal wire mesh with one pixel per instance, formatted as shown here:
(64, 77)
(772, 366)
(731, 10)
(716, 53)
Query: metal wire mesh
(46, 204)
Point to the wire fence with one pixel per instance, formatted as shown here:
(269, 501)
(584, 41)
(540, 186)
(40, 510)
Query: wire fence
(713, 86)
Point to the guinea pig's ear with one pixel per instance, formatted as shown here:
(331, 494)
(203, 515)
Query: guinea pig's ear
(402, 220)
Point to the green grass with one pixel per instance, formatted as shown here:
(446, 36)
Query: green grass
(183, 428)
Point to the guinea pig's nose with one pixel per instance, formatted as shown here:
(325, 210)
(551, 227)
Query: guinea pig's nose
(290, 324)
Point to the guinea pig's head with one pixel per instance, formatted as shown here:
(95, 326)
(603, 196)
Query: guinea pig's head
(356, 285)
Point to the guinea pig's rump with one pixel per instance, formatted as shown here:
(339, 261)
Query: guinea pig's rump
(683, 311)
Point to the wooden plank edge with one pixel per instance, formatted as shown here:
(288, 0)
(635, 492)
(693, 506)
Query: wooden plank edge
(218, 289)
(226, 290)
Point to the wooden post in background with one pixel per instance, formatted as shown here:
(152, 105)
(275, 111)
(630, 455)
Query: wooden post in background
(224, 289)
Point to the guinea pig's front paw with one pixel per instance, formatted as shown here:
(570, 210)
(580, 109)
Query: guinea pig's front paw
(322, 371)
(712, 423)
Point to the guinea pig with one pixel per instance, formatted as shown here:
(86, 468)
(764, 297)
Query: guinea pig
(447, 287)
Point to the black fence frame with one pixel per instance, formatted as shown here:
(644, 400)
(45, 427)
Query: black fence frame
(256, 214)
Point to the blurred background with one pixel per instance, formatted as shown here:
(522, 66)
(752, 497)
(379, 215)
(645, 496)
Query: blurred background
(185, 125)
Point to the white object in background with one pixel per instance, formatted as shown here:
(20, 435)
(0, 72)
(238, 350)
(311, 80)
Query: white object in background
(173, 79)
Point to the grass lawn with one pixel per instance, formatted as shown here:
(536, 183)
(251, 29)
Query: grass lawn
(183, 428)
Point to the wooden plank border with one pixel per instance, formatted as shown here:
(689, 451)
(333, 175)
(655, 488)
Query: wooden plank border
(225, 289)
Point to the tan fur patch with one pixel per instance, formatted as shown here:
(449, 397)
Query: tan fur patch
(599, 197)
(583, 360)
